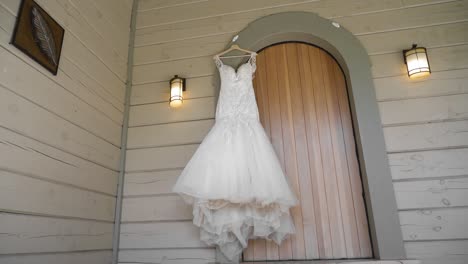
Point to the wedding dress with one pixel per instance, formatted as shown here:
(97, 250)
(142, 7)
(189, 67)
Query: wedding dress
(234, 180)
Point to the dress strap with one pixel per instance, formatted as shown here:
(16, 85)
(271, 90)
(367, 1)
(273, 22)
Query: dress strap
(253, 61)
(218, 61)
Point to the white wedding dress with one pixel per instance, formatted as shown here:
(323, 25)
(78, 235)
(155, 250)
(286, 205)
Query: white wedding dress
(234, 180)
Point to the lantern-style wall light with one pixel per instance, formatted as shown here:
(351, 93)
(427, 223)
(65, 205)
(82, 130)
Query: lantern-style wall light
(417, 62)
(177, 86)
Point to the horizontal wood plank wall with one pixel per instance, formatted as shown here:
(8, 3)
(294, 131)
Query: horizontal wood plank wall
(60, 136)
(425, 121)
(89, 257)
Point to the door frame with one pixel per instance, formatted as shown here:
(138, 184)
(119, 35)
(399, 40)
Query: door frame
(382, 213)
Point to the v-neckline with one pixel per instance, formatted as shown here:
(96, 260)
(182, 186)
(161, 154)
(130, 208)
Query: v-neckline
(236, 71)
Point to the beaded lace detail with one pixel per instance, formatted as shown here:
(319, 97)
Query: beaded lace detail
(237, 97)
(237, 102)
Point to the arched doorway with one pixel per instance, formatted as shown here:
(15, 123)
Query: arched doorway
(303, 104)
(352, 57)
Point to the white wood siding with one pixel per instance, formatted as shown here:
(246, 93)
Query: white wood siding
(425, 121)
(60, 136)
(169, 256)
(38, 234)
(88, 257)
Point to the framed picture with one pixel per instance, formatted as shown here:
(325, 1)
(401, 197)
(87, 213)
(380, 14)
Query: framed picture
(38, 35)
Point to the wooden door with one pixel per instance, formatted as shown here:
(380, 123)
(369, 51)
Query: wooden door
(303, 103)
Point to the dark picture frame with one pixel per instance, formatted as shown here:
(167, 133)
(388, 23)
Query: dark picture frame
(38, 35)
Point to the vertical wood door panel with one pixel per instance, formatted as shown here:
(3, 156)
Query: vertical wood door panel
(303, 103)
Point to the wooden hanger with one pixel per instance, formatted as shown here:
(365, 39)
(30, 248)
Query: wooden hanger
(235, 47)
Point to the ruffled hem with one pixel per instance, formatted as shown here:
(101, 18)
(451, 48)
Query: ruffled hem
(230, 225)
(237, 187)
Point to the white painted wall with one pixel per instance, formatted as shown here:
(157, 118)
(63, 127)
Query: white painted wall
(425, 122)
(60, 136)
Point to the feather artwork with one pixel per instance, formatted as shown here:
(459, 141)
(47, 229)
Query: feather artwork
(43, 36)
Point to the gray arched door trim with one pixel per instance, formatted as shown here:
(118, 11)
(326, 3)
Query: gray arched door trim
(345, 47)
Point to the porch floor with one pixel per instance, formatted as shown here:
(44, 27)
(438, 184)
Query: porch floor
(339, 262)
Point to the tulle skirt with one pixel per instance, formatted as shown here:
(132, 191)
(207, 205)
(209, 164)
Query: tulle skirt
(237, 187)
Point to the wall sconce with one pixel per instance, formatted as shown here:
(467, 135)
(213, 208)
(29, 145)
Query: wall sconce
(417, 62)
(177, 86)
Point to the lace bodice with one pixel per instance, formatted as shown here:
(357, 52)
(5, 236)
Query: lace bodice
(237, 97)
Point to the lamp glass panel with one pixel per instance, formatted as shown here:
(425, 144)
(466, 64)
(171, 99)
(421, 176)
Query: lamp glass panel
(417, 62)
(176, 93)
